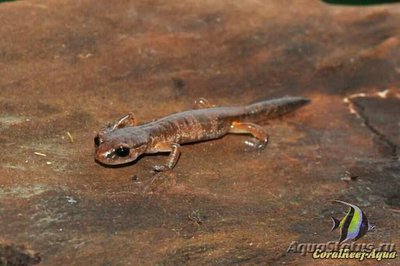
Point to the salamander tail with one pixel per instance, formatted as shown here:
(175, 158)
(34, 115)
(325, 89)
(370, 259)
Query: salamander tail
(274, 108)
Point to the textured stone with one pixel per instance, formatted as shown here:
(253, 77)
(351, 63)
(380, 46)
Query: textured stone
(72, 66)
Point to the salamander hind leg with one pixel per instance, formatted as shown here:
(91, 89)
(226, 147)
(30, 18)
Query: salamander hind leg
(261, 137)
(202, 103)
(174, 153)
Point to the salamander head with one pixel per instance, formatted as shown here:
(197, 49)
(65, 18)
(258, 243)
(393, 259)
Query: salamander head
(119, 147)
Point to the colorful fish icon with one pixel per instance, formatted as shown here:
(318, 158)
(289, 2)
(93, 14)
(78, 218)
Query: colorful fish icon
(354, 225)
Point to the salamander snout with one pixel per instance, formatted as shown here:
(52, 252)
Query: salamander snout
(121, 153)
(118, 147)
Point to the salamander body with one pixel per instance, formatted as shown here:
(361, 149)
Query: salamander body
(125, 140)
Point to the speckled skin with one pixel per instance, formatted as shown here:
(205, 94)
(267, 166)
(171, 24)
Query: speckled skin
(165, 134)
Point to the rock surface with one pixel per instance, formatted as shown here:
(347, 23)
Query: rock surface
(69, 67)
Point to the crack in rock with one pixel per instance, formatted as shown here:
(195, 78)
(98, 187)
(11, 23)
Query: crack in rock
(11, 254)
(359, 111)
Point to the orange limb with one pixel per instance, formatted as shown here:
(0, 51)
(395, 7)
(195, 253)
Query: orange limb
(261, 137)
(174, 153)
(202, 103)
(128, 120)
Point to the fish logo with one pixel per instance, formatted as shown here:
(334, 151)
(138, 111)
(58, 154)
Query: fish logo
(354, 225)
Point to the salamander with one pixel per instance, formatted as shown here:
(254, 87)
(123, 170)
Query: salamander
(124, 140)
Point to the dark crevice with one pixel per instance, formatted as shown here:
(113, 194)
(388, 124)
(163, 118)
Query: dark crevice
(382, 137)
(18, 255)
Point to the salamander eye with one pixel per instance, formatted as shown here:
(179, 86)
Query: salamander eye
(97, 141)
(122, 151)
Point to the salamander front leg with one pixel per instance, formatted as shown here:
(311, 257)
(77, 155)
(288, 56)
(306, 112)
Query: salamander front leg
(261, 137)
(202, 103)
(125, 121)
(174, 153)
